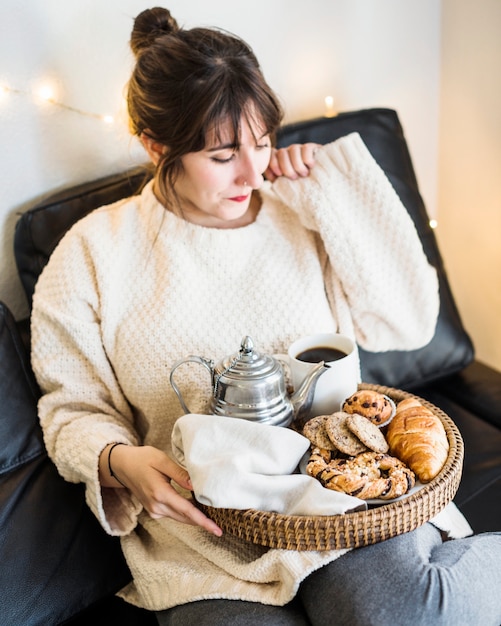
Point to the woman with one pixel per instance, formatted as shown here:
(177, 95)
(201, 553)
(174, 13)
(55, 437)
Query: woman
(207, 253)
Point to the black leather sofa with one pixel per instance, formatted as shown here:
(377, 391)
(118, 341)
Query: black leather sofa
(56, 563)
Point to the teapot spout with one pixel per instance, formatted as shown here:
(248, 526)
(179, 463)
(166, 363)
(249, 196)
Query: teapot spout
(302, 398)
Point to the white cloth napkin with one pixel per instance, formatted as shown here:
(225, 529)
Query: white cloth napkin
(452, 521)
(238, 464)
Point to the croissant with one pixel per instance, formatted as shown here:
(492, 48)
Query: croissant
(417, 437)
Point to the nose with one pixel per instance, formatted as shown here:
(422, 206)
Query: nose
(250, 173)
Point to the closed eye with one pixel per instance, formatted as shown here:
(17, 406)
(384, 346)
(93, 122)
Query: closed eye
(223, 160)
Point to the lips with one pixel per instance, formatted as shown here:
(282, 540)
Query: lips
(238, 198)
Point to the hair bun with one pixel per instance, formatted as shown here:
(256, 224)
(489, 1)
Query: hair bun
(149, 25)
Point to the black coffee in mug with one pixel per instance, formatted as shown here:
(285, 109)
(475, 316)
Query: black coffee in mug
(321, 353)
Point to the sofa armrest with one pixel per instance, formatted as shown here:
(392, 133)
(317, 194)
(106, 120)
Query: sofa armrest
(477, 388)
(478, 493)
(56, 560)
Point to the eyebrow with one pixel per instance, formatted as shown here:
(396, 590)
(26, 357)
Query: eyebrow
(225, 146)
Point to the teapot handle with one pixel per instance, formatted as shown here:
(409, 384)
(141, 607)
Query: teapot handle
(207, 363)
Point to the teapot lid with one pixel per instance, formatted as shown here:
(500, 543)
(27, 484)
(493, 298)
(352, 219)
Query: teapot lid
(246, 364)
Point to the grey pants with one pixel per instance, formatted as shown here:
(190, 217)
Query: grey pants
(414, 579)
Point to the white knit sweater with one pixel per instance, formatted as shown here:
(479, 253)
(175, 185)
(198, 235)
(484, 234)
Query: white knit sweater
(132, 288)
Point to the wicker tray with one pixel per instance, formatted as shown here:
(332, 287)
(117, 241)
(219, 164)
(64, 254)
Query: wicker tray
(352, 530)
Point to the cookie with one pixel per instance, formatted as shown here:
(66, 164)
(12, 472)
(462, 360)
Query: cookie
(368, 433)
(314, 430)
(341, 436)
(376, 407)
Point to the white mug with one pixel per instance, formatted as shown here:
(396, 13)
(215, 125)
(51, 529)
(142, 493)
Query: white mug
(335, 384)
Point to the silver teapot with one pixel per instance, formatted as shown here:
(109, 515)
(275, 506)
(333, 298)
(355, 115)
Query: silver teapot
(252, 386)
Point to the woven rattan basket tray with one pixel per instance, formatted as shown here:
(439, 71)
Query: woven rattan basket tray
(352, 530)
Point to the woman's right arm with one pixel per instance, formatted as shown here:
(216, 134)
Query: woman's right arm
(83, 409)
(148, 472)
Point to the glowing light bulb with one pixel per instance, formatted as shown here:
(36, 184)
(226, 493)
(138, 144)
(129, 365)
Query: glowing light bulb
(330, 111)
(45, 92)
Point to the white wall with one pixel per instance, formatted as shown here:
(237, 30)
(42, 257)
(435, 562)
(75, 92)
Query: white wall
(470, 167)
(363, 52)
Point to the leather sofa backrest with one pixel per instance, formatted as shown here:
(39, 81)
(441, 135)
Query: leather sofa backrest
(40, 228)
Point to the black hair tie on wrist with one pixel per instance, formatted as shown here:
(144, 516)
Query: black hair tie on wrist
(112, 473)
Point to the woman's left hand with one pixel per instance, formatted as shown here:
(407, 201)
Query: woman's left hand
(294, 161)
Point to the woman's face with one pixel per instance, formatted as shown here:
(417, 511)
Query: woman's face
(215, 186)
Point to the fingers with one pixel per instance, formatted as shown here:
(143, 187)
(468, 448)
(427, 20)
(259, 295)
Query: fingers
(149, 473)
(299, 159)
(294, 162)
(182, 510)
(178, 474)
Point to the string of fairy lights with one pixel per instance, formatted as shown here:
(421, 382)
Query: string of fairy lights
(46, 93)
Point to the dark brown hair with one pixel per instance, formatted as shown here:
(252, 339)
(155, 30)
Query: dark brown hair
(187, 83)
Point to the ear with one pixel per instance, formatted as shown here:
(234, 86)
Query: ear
(154, 148)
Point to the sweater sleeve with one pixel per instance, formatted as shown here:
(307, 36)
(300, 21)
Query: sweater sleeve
(385, 293)
(82, 408)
